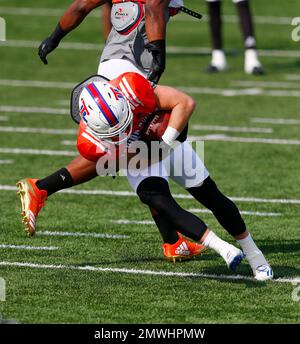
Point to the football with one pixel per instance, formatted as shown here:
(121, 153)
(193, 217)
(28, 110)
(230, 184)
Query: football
(156, 126)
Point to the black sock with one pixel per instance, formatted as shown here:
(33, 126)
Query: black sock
(246, 24)
(155, 192)
(59, 180)
(225, 211)
(166, 229)
(215, 24)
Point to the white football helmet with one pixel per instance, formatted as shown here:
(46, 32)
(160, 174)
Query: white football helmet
(106, 112)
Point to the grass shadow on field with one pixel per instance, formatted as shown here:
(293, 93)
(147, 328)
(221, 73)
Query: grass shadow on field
(275, 246)
(283, 271)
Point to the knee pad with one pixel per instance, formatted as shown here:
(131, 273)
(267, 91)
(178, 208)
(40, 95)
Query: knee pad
(153, 191)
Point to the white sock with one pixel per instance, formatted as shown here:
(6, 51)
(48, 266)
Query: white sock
(251, 60)
(253, 254)
(219, 59)
(214, 242)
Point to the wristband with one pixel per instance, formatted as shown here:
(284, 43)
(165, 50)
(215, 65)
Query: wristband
(58, 34)
(170, 135)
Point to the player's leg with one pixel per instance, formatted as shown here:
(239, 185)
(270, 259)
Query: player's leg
(228, 215)
(34, 192)
(152, 187)
(218, 62)
(175, 247)
(155, 192)
(205, 191)
(252, 63)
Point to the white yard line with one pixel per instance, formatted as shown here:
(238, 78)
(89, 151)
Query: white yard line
(29, 151)
(40, 12)
(68, 143)
(243, 212)
(57, 12)
(38, 130)
(239, 92)
(232, 129)
(34, 109)
(283, 121)
(37, 84)
(271, 84)
(132, 222)
(257, 90)
(225, 138)
(193, 210)
(31, 248)
(63, 102)
(4, 118)
(80, 234)
(196, 90)
(170, 49)
(143, 272)
(65, 45)
(292, 77)
(225, 92)
(279, 53)
(6, 162)
(179, 196)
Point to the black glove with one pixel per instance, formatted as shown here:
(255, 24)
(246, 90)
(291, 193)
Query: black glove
(158, 51)
(50, 43)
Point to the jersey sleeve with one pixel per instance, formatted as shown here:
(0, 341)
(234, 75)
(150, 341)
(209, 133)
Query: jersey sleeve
(87, 146)
(138, 91)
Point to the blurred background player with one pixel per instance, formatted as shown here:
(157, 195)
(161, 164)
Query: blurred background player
(218, 62)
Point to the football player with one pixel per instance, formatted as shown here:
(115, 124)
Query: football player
(81, 170)
(218, 63)
(204, 189)
(114, 115)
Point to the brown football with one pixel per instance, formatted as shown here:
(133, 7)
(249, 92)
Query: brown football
(156, 126)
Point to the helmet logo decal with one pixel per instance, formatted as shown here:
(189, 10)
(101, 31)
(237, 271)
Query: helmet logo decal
(102, 105)
(84, 110)
(117, 93)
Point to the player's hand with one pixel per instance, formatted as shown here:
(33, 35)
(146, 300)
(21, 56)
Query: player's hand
(158, 51)
(45, 48)
(51, 42)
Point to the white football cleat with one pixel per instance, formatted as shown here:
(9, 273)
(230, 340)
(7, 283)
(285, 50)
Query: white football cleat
(263, 272)
(234, 257)
(252, 64)
(218, 62)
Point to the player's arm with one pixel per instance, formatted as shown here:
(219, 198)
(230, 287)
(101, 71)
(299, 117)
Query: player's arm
(156, 33)
(181, 106)
(69, 21)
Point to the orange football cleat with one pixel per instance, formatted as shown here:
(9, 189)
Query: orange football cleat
(32, 200)
(183, 249)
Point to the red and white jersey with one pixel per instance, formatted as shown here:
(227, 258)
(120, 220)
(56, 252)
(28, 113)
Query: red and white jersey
(140, 95)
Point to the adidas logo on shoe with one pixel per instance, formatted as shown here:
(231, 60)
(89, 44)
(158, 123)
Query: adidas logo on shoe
(183, 249)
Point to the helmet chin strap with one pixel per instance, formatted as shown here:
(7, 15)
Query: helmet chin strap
(123, 137)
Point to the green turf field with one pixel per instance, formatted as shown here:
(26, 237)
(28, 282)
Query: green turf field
(69, 283)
